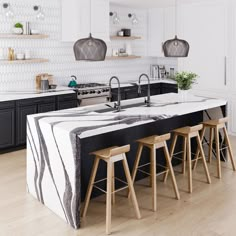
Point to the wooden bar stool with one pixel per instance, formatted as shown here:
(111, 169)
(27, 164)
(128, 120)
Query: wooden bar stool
(188, 133)
(111, 156)
(153, 143)
(215, 126)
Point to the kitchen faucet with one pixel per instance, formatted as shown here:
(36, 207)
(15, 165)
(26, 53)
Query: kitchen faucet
(148, 100)
(118, 104)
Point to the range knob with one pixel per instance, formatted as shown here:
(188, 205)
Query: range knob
(98, 92)
(91, 92)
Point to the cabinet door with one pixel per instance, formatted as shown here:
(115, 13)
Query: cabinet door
(21, 117)
(100, 19)
(67, 105)
(75, 20)
(46, 107)
(7, 128)
(131, 93)
(204, 26)
(155, 32)
(169, 88)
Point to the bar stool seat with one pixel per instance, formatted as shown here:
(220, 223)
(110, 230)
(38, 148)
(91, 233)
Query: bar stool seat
(111, 156)
(215, 126)
(153, 143)
(187, 133)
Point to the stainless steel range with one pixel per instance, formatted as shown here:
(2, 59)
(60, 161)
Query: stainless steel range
(92, 93)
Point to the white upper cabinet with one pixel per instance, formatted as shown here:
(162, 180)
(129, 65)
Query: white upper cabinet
(78, 16)
(155, 32)
(100, 19)
(204, 25)
(161, 27)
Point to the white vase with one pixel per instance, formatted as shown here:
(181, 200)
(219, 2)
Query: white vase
(128, 48)
(183, 95)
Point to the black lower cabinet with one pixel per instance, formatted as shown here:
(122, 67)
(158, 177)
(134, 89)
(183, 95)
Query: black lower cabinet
(13, 117)
(7, 125)
(155, 89)
(21, 117)
(169, 88)
(67, 101)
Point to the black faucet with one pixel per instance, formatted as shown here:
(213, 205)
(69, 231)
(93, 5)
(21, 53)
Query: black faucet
(118, 104)
(148, 100)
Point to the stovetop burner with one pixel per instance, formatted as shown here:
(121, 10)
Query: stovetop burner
(90, 85)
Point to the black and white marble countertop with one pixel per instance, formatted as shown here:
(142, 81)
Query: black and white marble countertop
(143, 82)
(54, 144)
(13, 95)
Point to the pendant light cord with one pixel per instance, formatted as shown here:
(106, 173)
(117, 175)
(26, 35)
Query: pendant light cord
(176, 17)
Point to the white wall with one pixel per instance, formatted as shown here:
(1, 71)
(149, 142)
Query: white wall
(62, 63)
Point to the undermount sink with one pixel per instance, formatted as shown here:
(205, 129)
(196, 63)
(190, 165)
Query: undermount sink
(111, 109)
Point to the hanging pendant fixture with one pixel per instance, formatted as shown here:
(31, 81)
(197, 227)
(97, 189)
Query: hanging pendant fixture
(176, 47)
(90, 49)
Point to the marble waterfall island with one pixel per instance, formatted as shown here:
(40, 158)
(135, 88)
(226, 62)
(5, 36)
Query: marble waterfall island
(59, 143)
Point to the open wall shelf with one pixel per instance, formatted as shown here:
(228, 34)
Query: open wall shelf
(23, 36)
(35, 60)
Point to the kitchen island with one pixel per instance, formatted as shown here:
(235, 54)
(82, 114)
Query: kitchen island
(59, 143)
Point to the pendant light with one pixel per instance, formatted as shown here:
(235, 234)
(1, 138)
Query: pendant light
(176, 47)
(90, 49)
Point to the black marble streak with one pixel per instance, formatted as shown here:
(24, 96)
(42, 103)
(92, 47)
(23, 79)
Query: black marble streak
(71, 202)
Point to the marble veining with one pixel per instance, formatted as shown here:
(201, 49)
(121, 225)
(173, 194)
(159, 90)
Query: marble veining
(54, 145)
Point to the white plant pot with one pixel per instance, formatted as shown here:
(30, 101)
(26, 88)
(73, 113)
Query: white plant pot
(17, 30)
(183, 95)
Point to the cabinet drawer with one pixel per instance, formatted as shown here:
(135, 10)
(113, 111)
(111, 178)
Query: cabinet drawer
(67, 97)
(6, 105)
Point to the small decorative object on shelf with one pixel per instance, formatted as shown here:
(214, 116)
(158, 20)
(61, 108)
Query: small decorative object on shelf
(18, 28)
(185, 80)
(11, 54)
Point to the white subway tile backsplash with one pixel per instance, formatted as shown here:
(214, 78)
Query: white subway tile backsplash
(62, 63)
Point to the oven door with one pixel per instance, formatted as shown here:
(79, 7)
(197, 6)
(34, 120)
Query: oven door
(93, 101)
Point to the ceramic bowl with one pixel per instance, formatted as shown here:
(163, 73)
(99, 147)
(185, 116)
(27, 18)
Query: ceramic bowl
(20, 56)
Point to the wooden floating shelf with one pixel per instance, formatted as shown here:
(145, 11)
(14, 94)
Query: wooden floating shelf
(124, 38)
(23, 36)
(35, 60)
(123, 58)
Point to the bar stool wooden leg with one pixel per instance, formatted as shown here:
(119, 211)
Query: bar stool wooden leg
(113, 184)
(136, 164)
(154, 180)
(218, 152)
(108, 196)
(131, 187)
(198, 149)
(189, 162)
(184, 156)
(210, 145)
(90, 187)
(199, 142)
(172, 149)
(169, 164)
(229, 148)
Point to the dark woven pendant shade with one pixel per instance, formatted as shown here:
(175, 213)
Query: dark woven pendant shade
(90, 49)
(176, 48)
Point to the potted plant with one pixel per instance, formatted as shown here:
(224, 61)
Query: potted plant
(185, 80)
(18, 28)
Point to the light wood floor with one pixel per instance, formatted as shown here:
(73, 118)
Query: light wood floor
(210, 210)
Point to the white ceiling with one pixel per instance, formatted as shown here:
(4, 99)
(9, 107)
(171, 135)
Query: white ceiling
(144, 3)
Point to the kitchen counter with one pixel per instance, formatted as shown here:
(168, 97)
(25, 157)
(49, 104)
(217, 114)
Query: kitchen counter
(59, 143)
(26, 94)
(143, 82)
